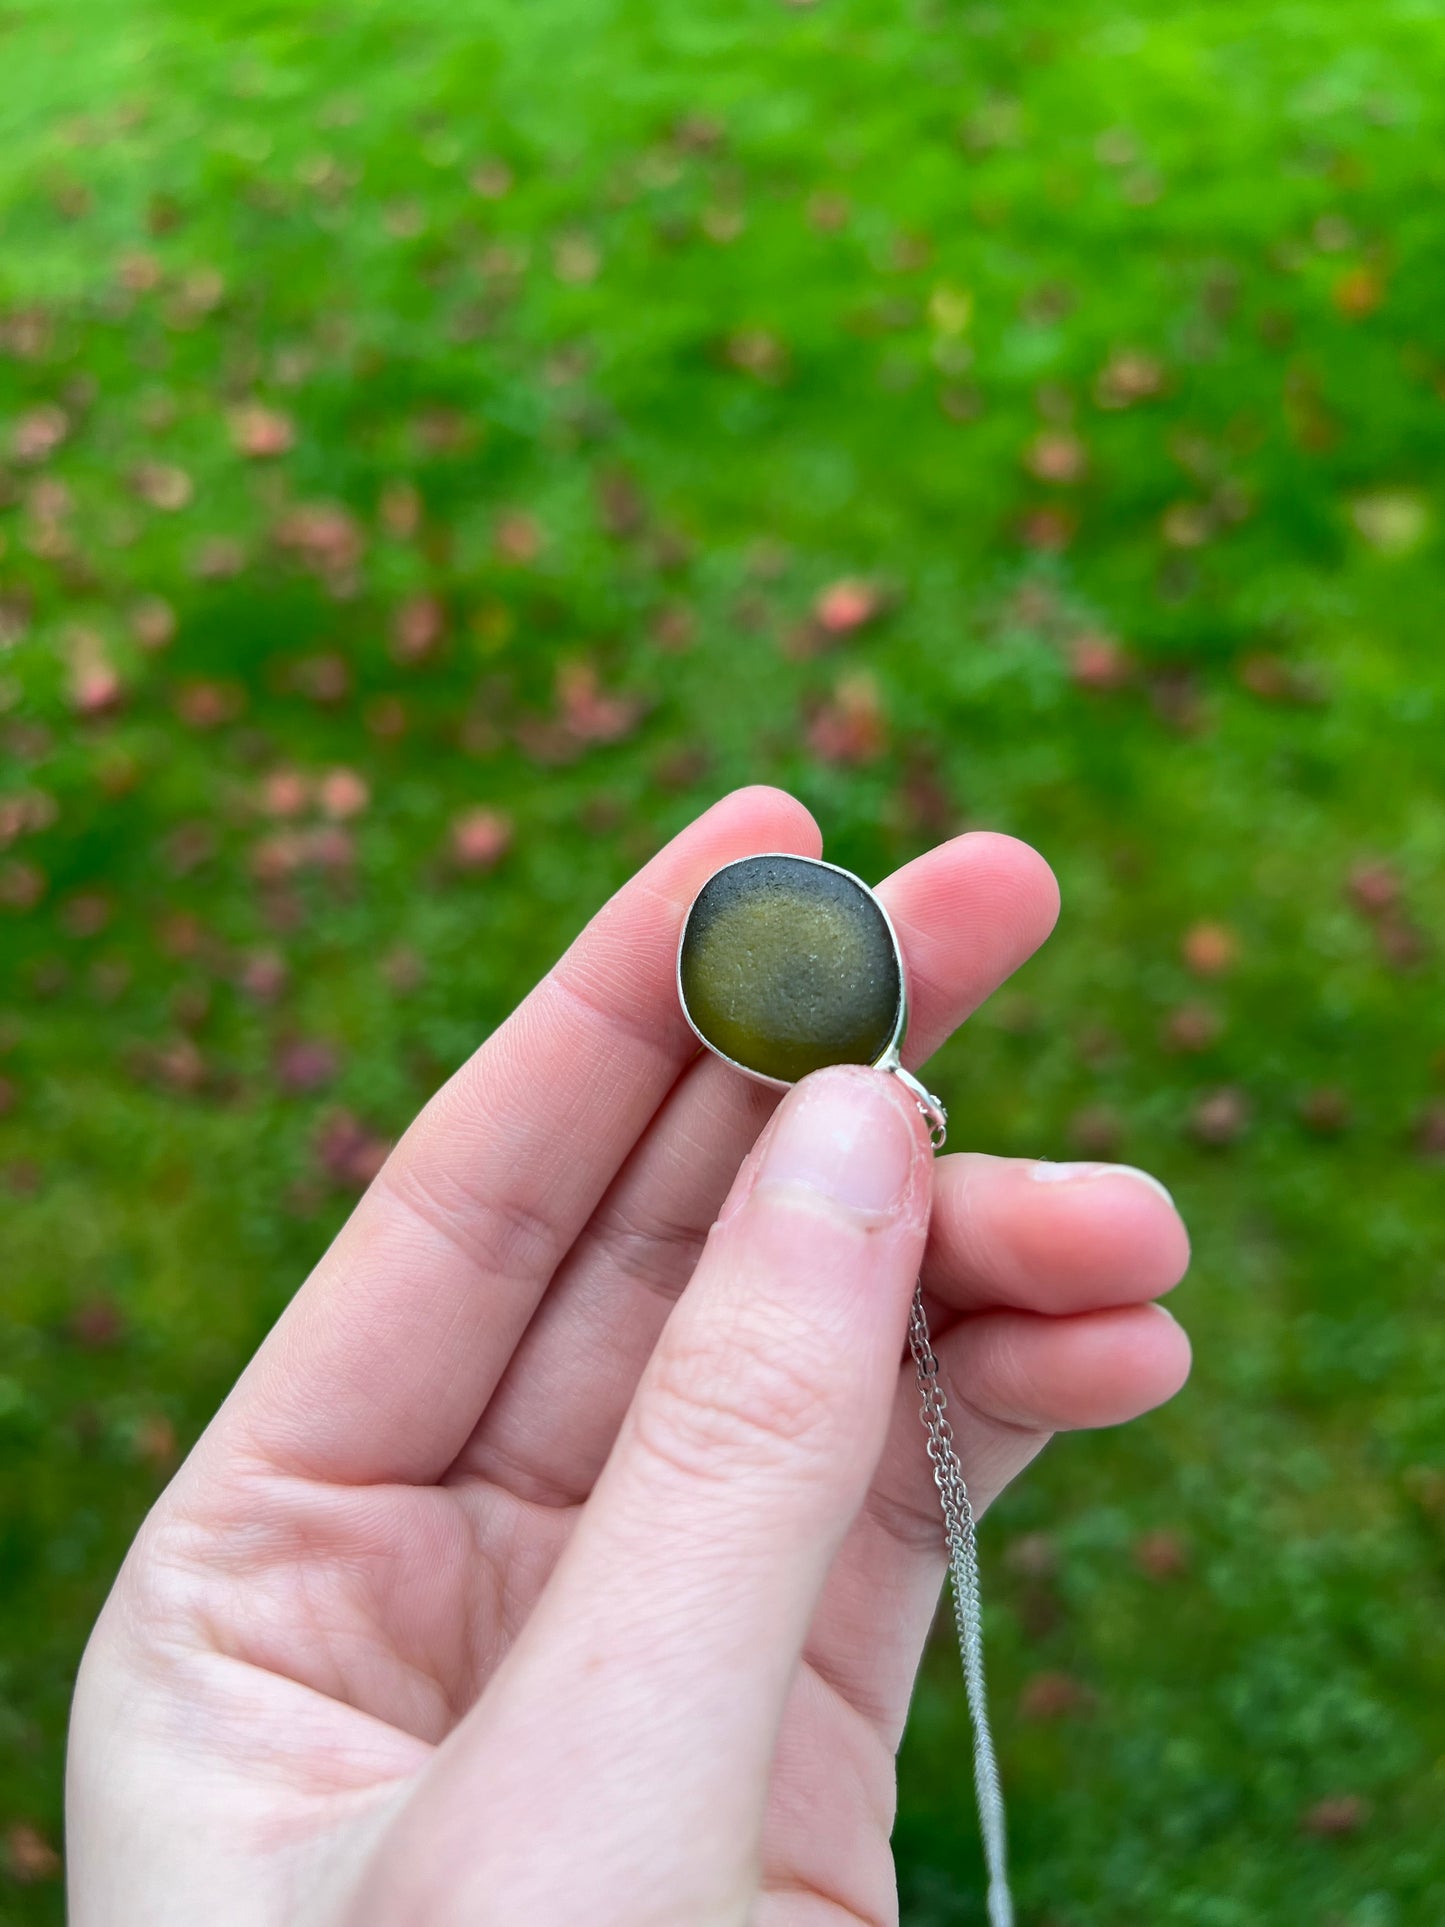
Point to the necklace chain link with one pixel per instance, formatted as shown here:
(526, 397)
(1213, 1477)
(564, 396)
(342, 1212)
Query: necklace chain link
(961, 1541)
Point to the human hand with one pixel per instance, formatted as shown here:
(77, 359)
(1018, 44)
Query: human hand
(514, 1583)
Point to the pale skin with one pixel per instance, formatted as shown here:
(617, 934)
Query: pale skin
(515, 1583)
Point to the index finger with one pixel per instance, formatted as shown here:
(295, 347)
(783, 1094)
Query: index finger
(380, 1366)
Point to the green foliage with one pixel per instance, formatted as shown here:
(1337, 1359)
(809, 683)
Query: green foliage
(487, 403)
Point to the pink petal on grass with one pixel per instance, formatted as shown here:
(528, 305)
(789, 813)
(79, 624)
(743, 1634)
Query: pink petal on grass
(1098, 663)
(849, 728)
(153, 623)
(1210, 949)
(847, 606)
(163, 486)
(518, 537)
(306, 1064)
(38, 434)
(1374, 887)
(1057, 457)
(350, 1153)
(29, 1856)
(95, 684)
(480, 839)
(261, 433)
(342, 794)
(589, 713)
(418, 628)
(323, 537)
(1219, 1117)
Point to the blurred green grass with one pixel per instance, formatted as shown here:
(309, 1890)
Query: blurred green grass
(488, 405)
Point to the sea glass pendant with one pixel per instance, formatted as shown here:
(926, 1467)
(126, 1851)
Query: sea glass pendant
(788, 964)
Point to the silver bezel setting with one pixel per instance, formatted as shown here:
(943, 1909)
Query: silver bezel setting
(888, 1060)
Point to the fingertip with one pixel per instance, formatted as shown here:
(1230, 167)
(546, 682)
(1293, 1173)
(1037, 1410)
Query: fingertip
(1026, 874)
(764, 817)
(1135, 1358)
(1123, 1220)
(1054, 1238)
(1174, 1353)
(854, 1142)
(968, 913)
(1176, 1250)
(750, 821)
(981, 872)
(1079, 1373)
(875, 1110)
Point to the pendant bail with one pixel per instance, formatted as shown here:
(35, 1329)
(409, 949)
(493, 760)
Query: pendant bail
(934, 1114)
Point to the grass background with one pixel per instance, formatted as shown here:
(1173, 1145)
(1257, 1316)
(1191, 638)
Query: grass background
(430, 437)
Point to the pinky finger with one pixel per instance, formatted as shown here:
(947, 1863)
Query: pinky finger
(1024, 1372)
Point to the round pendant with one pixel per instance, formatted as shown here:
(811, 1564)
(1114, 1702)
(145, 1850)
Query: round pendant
(788, 964)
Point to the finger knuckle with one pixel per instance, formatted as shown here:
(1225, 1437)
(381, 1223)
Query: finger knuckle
(755, 1398)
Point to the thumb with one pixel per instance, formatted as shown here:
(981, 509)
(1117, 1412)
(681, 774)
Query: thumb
(668, 1637)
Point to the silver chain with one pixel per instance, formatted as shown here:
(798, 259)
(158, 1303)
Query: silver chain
(962, 1544)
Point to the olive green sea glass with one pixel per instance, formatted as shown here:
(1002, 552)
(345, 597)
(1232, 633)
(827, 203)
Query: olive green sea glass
(787, 965)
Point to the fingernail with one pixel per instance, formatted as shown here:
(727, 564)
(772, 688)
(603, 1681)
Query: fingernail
(844, 1135)
(1045, 1171)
